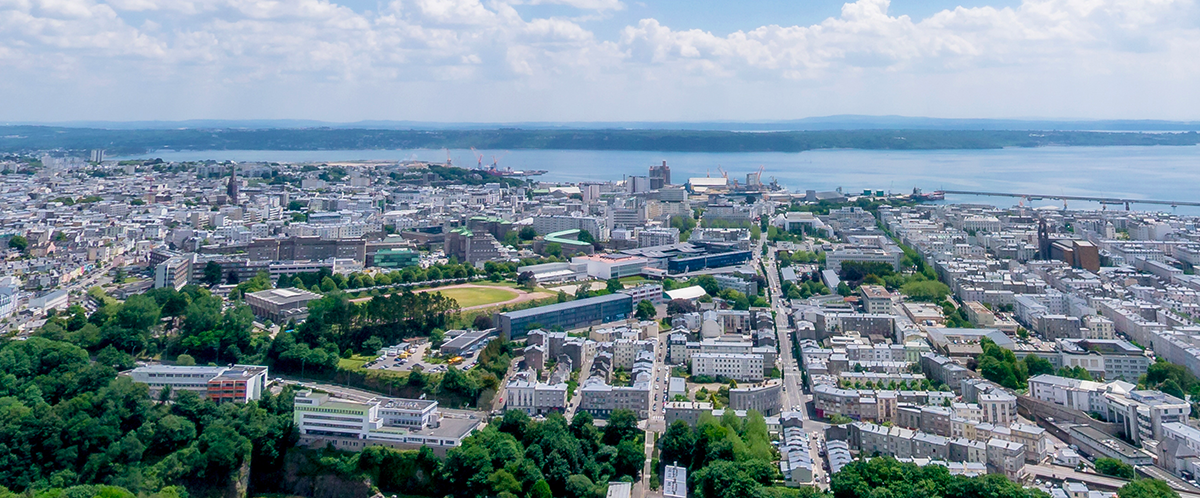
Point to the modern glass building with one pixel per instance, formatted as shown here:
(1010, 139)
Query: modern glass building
(694, 263)
(396, 258)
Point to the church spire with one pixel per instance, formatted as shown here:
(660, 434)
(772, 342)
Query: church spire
(232, 189)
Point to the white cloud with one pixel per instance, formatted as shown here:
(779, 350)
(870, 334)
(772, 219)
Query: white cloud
(599, 5)
(470, 49)
(866, 36)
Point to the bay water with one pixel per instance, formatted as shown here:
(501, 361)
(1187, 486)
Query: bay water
(1160, 173)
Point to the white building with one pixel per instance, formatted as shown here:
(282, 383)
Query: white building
(10, 295)
(1142, 413)
(645, 292)
(399, 423)
(238, 384)
(740, 367)
(606, 266)
(535, 398)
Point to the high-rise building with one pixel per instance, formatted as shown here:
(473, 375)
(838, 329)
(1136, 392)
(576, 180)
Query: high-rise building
(660, 176)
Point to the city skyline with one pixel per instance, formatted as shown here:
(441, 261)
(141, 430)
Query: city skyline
(596, 60)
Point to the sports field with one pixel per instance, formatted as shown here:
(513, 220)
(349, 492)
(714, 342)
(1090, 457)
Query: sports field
(478, 295)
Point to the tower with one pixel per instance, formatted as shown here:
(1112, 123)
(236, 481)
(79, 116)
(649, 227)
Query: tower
(1043, 240)
(232, 189)
(660, 176)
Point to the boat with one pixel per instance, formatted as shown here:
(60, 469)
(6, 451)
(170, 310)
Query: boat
(936, 195)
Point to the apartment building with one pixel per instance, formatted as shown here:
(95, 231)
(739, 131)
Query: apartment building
(739, 367)
(533, 397)
(1118, 359)
(1142, 413)
(766, 399)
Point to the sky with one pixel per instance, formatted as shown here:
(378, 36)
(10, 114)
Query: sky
(597, 60)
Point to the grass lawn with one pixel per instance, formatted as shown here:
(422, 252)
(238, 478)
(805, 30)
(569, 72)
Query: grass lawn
(633, 280)
(355, 362)
(475, 296)
(502, 283)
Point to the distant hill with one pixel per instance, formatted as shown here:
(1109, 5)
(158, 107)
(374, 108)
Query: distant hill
(825, 123)
(136, 141)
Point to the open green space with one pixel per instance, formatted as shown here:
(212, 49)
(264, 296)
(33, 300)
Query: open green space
(355, 362)
(476, 296)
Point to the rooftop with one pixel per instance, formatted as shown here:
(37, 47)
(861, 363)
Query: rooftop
(610, 298)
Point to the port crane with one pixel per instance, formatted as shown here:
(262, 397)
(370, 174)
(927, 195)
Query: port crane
(478, 158)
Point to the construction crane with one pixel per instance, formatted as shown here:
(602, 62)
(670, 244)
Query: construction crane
(496, 160)
(478, 157)
(723, 173)
(449, 162)
(755, 179)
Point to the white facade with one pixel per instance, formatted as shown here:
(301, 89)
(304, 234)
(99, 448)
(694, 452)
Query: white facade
(536, 398)
(645, 292)
(385, 420)
(740, 367)
(9, 296)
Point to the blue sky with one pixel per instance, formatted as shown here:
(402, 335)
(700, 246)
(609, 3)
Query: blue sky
(597, 60)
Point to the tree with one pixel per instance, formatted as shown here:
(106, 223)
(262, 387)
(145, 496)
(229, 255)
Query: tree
(708, 283)
(502, 481)
(630, 459)
(583, 291)
(614, 285)
(18, 242)
(212, 273)
(622, 426)
(844, 290)
(526, 279)
(1147, 488)
(676, 444)
(1075, 372)
(579, 486)
(185, 360)
(554, 249)
(541, 489)
(856, 271)
(677, 306)
(328, 285)
(1115, 468)
(514, 422)
(925, 290)
(113, 358)
(561, 297)
(645, 310)
(482, 321)
(1037, 365)
(527, 233)
(1171, 387)
(586, 236)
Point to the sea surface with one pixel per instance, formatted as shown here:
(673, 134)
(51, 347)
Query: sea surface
(1159, 173)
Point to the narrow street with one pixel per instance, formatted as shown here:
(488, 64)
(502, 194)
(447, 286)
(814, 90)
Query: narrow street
(793, 387)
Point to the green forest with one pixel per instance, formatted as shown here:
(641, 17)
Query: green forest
(31, 138)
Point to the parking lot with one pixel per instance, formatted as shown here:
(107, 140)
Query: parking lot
(418, 354)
